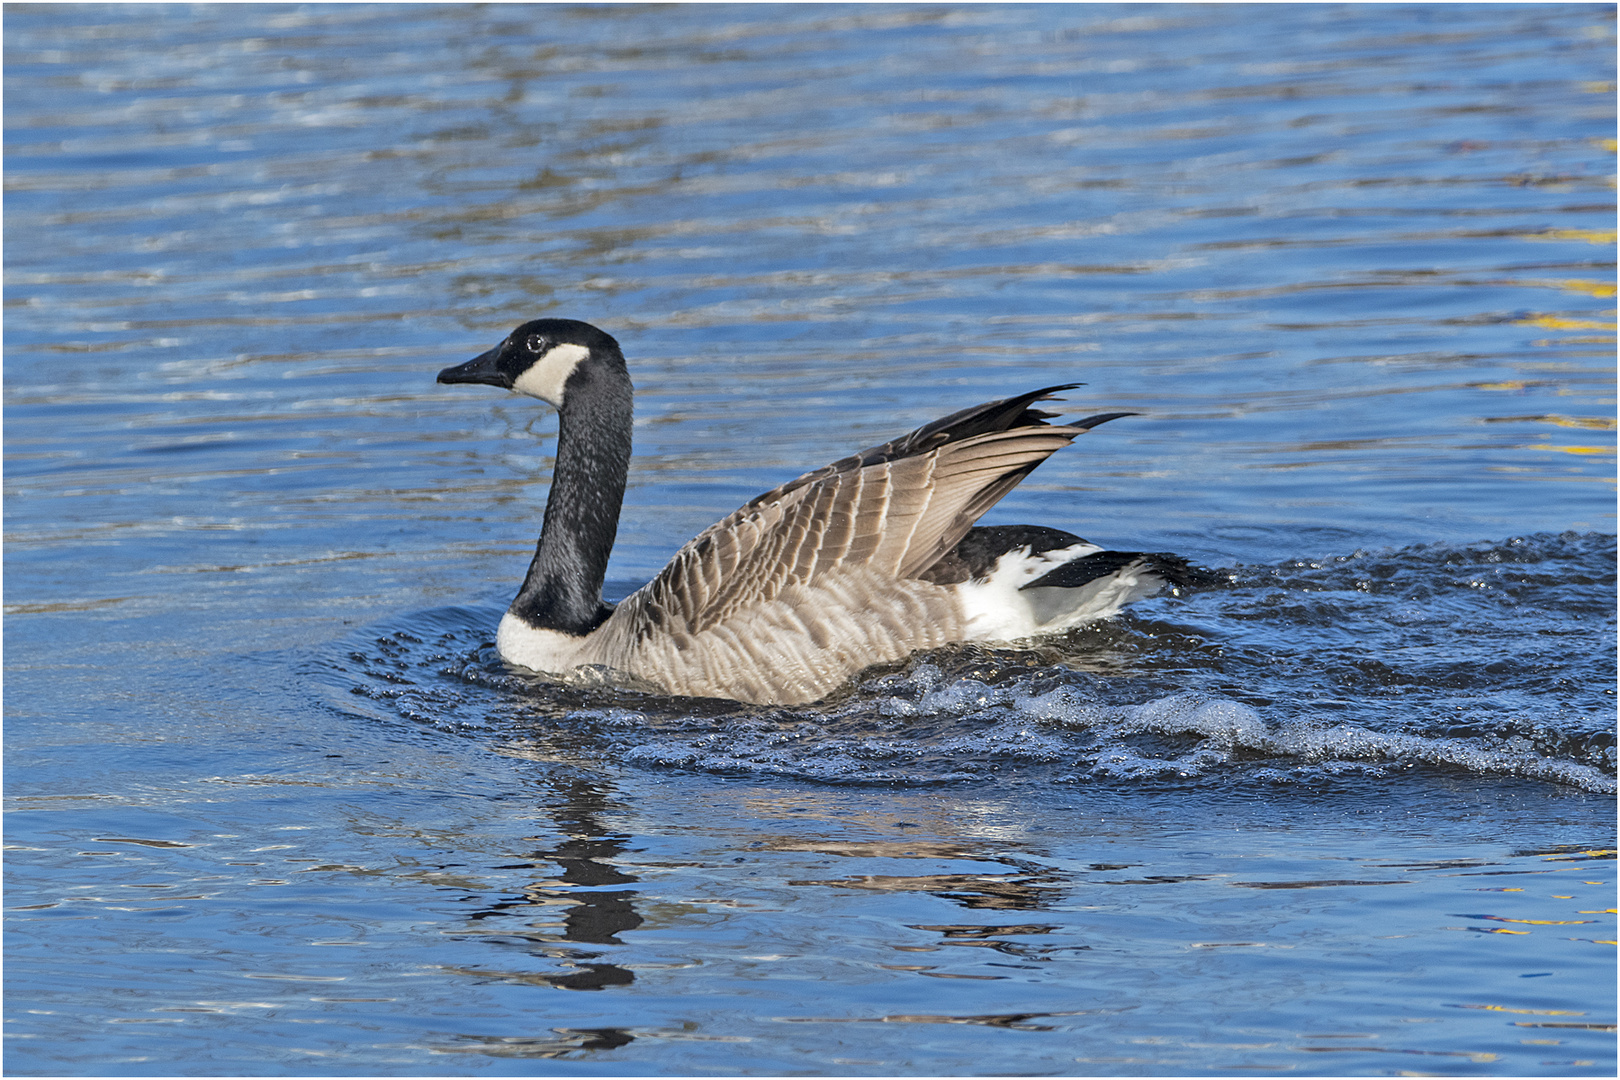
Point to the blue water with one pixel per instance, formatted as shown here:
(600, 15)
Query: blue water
(275, 808)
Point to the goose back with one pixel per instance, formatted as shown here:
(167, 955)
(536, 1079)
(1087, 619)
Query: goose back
(804, 585)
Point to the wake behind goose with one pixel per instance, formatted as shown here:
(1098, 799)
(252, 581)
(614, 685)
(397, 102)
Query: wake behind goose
(857, 563)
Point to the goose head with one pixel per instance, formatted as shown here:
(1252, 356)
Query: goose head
(550, 359)
(580, 371)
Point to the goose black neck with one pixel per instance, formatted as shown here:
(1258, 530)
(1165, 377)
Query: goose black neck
(563, 590)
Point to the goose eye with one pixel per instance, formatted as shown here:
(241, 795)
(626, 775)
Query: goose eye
(536, 343)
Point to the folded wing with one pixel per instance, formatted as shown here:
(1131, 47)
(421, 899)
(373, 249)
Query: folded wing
(892, 510)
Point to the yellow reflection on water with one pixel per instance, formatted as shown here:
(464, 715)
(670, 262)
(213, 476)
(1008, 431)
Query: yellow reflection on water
(1591, 236)
(1558, 322)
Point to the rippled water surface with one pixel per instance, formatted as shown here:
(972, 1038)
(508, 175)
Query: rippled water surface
(275, 806)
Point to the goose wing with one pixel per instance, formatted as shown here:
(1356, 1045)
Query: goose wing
(893, 509)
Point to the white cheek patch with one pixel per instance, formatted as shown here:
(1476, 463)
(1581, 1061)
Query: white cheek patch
(546, 377)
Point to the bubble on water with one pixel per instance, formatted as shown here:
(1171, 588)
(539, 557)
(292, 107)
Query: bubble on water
(1228, 722)
(1294, 674)
(1314, 743)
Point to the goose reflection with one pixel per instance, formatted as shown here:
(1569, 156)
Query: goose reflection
(593, 912)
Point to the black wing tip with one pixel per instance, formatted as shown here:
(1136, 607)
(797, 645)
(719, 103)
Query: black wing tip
(1003, 414)
(1179, 571)
(1173, 569)
(1098, 420)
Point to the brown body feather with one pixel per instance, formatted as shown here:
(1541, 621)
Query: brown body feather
(800, 588)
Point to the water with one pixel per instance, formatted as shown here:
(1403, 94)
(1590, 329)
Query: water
(274, 807)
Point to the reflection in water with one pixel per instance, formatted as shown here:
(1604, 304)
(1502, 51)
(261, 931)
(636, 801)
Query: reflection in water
(1032, 887)
(566, 1042)
(1011, 1021)
(592, 915)
(969, 890)
(994, 937)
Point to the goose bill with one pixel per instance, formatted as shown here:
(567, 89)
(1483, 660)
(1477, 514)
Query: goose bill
(480, 369)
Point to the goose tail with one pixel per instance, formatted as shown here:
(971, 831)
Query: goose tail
(1022, 581)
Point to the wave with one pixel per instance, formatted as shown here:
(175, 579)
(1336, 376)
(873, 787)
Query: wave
(1490, 659)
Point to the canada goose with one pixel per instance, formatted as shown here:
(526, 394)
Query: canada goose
(857, 563)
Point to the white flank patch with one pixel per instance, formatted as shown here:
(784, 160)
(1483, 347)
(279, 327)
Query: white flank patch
(538, 650)
(546, 377)
(992, 606)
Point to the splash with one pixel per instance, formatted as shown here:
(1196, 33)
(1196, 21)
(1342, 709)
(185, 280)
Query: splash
(1368, 665)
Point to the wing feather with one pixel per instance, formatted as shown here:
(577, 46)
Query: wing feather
(893, 510)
